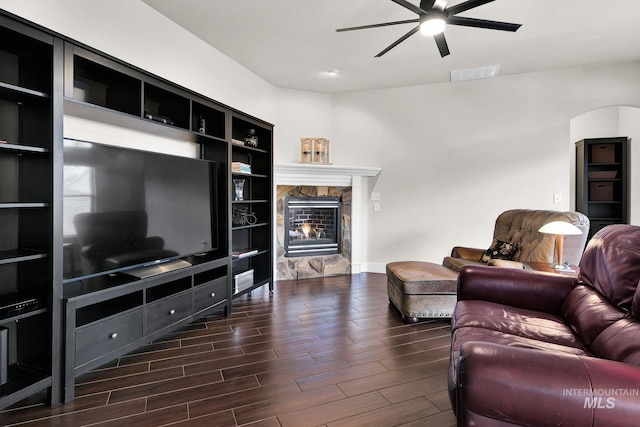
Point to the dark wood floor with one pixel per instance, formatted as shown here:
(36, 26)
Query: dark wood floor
(318, 352)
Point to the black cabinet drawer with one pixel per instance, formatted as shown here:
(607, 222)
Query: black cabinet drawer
(209, 294)
(98, 339)
(167, 311)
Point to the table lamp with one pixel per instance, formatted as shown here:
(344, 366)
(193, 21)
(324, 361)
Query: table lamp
(560, 229)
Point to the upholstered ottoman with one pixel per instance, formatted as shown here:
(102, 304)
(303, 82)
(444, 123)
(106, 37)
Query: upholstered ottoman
(421, 289)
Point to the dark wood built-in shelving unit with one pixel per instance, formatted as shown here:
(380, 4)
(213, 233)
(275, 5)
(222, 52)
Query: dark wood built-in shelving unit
(254, 238)
(30, 127)
(602, 181)
(44, 76)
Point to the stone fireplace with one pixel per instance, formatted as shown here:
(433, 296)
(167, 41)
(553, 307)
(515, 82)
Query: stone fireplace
(315, 185)
(320, 250)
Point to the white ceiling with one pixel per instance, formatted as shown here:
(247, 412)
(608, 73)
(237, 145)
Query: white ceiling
(291, 43)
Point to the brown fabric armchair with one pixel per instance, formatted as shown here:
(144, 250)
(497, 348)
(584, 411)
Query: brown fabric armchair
(521, 226)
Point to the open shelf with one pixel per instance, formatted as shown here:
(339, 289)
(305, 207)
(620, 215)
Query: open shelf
(23, 381)
(166, 107)
(17, 93)
(20, 255)
(22, 148)
(99, 85)
(208, 121)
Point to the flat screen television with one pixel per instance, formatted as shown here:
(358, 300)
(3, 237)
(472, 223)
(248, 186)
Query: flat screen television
(125, 209)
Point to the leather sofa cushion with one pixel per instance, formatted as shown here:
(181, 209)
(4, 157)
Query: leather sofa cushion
(588, 313)
(620, 342)
(610, 265)
(465, 335)
(528, 324)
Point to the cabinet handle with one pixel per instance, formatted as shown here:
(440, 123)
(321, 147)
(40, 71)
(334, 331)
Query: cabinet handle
(172, 312)
(113, 335)
(213, 294)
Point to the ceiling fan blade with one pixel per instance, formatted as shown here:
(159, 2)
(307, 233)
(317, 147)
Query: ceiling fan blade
(412, 7)
(426, 4)
(384, 24)
(437, 5)
(441, 42)
(482, 23)
(400, 40)
(465, 6)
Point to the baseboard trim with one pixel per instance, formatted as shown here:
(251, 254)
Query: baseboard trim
(373, 267)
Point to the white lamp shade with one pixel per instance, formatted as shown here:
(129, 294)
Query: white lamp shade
(560, 227)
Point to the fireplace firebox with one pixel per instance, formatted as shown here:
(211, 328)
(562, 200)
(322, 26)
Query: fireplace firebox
(312, 226)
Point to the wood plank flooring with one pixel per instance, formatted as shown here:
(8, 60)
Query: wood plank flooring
(318, 352)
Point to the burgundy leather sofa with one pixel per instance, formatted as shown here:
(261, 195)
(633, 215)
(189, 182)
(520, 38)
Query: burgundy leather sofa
(538, 349)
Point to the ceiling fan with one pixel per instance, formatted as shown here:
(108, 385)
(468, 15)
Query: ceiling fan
(433, 17)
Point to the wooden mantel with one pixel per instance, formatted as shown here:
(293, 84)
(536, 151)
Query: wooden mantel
(318, 174)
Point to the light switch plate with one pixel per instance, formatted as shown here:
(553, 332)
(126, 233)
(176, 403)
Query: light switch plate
(557, 197)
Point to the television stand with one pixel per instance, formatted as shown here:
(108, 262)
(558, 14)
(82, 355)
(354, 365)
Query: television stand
(155, 269)
(115, 315)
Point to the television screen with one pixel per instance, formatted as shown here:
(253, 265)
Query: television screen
(124, 208)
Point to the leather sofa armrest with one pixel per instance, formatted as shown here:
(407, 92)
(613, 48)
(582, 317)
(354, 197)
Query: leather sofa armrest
(518, 288)
(471, 254)
(529, 387)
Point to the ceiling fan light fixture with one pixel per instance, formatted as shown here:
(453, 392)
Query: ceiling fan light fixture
(432, 25)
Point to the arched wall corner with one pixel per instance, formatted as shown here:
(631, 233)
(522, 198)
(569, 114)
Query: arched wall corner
(610, 121)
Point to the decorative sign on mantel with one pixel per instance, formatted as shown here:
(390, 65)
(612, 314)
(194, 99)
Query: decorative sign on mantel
(314, 150)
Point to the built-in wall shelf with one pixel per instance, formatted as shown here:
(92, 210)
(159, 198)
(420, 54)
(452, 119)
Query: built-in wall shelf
(252, 144)
(20, 255)
(29, 132)
(602, 181)
(21, 148)
(47, 81)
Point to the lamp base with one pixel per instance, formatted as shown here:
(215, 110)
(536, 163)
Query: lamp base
(561, 267)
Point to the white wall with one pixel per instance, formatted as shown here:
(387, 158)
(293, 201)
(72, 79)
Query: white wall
(630, 126)
(453, 155)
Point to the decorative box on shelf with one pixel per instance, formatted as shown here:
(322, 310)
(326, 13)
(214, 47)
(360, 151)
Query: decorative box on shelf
(601, 191)
(242, 281)
(603, 153)
(602, 174)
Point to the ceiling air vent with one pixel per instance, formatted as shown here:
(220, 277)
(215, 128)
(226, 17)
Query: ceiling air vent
(474, 73)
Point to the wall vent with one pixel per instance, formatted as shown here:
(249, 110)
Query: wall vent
(475, 73)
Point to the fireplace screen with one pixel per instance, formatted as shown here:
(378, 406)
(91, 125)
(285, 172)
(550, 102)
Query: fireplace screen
(314, 226)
